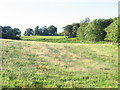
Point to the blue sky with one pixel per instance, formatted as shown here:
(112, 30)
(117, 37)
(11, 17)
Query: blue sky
(31, 13)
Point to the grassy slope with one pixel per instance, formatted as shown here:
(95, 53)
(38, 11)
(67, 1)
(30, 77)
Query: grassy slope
(65, 65)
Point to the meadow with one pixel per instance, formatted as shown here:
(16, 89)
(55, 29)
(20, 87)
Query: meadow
(52, 39)
(60, 39)
(32, 64)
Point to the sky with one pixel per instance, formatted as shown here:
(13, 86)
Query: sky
(24, 14)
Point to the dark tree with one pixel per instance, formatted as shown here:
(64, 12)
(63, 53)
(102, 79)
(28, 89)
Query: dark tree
(75, 27)
(16, 33)
(36, 31)
(9, 33)
(68, 30)
(28, 32)
(6, 32)
(0, 31)
(45, 31)
(52, 30)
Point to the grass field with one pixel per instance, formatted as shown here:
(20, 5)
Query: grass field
(58, 65)
(58, 39)
(53, 39)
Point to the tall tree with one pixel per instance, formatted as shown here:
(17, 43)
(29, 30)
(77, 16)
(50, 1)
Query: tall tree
(16, 33)
(9, 33)
(68, 30)
(81, 31)
(0, 31)
(45, 31)
(75, 27)
(113, 31)
(6, 32)
(87, 20)
(95, 29)
(52, 30)
(28, 32)
(36, 31)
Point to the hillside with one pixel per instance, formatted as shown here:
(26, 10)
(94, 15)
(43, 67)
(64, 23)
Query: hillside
(59, 65)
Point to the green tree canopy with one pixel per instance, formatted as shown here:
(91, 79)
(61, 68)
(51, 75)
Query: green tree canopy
(28, 32)
(52, 30)
(37, 31)
(45, 31)
(95, 29)
(68, 30)
(16, 33)
(81, 31)
(112, 31)
(75, 27)
(9, 33)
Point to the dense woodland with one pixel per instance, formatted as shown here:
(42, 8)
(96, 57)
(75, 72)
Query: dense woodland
(86, 30)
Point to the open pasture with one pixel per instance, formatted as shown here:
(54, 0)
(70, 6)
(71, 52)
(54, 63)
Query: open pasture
(34, 64)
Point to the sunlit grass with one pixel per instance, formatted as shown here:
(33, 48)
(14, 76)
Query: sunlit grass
(59, 65)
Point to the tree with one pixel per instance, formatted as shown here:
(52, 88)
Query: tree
(95, 29)
(52, 30)
(45, 31)
(75, 27)
(68, 30)
(16, 33)
(40, 32)
(37, 31)
(112, 31)
(9, 33)
(81, 31)
(0, 31)
(87, 20)
(28, 32)
(6, 32)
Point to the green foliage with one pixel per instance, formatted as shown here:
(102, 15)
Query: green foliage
(28, 32)
(0, 31)
(8, 33)
(95, 29)
(68, 30)
(81, 31)
(71, 30)
(37, 31)
(112, 31)
(52, 30)
(75, 27)
(45, 31)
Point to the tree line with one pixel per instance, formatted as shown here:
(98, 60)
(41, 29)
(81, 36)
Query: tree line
(86, 30)
(14, 33)
(44, 31)
(96, 30)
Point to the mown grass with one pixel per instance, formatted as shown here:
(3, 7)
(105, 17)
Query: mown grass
(34, 64)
